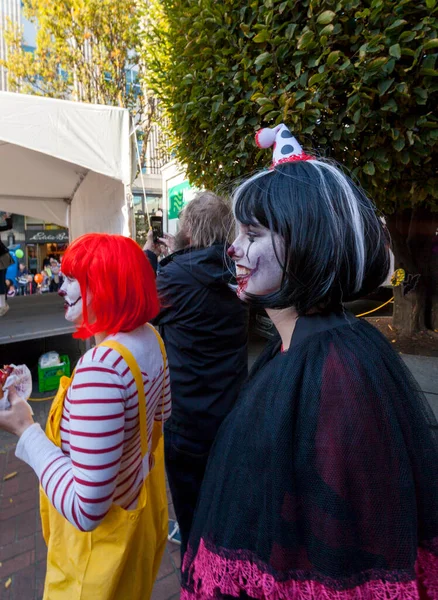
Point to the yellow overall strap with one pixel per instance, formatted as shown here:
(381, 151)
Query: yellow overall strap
(136, 373)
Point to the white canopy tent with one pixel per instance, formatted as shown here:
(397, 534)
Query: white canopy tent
(66, 163)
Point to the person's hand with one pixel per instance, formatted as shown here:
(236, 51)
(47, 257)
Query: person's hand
(168, 241)
(18, 417)
(151, 245)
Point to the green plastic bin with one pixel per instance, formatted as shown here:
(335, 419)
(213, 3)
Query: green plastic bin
(48, 378)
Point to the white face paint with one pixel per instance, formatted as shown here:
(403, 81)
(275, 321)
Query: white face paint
(71, 292)
(258, 271)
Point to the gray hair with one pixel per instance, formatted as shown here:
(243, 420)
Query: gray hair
(207, 220)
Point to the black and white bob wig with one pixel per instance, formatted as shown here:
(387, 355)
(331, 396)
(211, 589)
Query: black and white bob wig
(336, 249)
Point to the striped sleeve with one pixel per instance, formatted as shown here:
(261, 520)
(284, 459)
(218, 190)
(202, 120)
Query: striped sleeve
(81, 486)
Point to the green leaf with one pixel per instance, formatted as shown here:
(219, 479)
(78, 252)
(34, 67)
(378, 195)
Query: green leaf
(303, 79)
(429, 72)
(384, 86)
(263, 101)
(241, 121)
(272, 115)
(407, 36)
(397, 23)
(391, 105)
(345, 65)
(262, 36)
(333, 57)
(326, 17)
(421, 95)
(398, 144)
(407, 52)
(290, 30)
(282, 7)
(316, 78)
(376, 64)
(404, 157)
(395, 51)
(431, 4)
(215, 107)
(369, 168)
(305, 40)
(431, 44)
(262, 59)
(264, 109)
(328, 30)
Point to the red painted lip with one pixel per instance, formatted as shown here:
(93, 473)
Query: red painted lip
(68, 305)
(250, 274)
(244, 277)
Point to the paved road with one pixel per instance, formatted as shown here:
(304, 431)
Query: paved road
(33, 317)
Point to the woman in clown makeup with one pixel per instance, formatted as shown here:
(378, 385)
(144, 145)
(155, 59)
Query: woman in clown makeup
(322, 482)
(100, 462)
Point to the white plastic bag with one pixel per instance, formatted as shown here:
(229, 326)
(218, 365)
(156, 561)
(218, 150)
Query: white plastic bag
(20, 381)
(49, 359)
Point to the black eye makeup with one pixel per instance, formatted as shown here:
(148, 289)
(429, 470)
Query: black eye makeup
(251, 237)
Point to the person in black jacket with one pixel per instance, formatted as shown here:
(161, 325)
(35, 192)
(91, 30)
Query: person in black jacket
(204, 326)
(5, 261)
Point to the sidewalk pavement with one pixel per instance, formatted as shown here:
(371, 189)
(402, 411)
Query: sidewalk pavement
(22, 548)
(425, 371)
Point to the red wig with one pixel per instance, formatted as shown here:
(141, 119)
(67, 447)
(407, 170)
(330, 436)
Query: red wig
(120, 279)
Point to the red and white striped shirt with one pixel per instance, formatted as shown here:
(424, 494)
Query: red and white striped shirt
(99, 462)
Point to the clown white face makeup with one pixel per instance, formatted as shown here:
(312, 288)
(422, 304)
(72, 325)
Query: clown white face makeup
(258, 271)
(71, 292)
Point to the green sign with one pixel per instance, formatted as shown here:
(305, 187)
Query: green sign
(178, 197)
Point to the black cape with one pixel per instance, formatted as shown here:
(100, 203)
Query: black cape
(322, 482)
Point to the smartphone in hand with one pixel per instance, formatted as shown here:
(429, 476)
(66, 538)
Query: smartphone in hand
(157, 227)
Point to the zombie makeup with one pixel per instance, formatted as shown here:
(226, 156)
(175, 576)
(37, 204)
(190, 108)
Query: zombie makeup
(258, 271)
(71, 292)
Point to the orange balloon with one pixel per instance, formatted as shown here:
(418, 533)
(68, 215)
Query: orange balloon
(39, 278)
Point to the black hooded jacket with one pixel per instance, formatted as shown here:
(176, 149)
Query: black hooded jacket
(204, 327)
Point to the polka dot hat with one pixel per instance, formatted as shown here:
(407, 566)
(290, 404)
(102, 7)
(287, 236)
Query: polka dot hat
(286, 147)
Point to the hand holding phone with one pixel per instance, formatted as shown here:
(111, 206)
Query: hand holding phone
(157, 227)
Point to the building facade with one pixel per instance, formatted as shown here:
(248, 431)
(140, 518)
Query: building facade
(38, 240)
(10, 11)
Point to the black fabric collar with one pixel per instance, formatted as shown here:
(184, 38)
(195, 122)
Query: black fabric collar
(306, 327)
(317, 323)
(170, 258)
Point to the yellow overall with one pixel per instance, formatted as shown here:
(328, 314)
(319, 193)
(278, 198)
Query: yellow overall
(119, 560)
